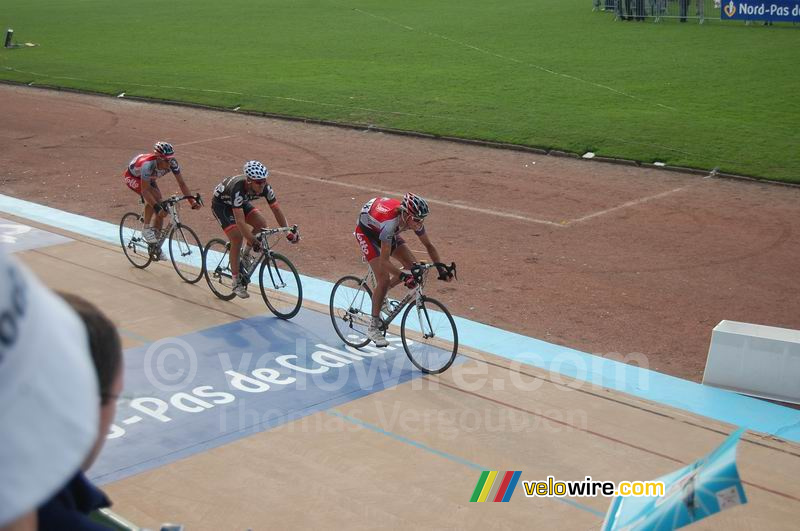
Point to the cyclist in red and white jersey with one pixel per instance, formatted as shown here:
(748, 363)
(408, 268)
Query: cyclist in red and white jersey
(140, 176)
(380, 223)
(240, 220)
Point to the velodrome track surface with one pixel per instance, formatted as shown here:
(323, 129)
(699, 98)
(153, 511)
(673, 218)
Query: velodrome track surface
(597, 257)
(406, 450)
(394, 451)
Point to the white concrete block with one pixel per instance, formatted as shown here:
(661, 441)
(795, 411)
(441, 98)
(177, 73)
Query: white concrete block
(756, 360)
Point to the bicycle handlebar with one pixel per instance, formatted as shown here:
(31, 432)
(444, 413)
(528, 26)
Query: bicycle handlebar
(419, 270)
(177, 198)
(278, 230)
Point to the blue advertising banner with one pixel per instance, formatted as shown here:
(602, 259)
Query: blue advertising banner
(692, 493)
(774, 10)
(188, 394)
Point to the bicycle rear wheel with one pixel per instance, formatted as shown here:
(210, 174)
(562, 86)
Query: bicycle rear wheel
(281, 288)
(429, 335)
(217, 268)
(351, 310)
(186, 253)
(136, 249)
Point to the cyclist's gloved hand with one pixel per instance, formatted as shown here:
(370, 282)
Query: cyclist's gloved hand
(293, 237)
(195, 205)
(408, 280)
(445, 273)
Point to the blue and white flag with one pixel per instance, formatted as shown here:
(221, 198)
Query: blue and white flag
(701, 489)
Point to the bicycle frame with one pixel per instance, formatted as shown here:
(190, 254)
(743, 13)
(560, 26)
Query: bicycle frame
(172, 210)
(171, 206)
(351, 306)
(415, 295)
(183, 241)
(266, 251)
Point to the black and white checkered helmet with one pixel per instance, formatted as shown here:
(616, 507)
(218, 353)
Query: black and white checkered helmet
(255, 171)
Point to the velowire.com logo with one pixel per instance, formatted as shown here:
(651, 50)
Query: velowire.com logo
(496, 486)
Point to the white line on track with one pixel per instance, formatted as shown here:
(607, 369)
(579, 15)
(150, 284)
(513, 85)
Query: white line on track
(630, 204)
(490, 212)
(450, 204)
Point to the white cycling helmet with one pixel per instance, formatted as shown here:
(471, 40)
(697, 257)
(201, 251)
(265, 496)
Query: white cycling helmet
(416, 206)
(255, 171)
(164, 150)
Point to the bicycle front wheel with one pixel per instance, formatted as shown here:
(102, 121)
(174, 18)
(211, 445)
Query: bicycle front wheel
(351, 310)
(217, 268)
(186, 253)
(429, 335)
(280, 286)
(133, 244)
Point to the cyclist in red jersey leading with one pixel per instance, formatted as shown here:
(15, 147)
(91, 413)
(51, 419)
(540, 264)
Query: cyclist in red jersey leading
(380, 223)
(140, 176)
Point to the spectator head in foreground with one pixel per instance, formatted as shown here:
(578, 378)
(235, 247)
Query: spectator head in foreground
(48, 395)
(105, 347)
(73, 505)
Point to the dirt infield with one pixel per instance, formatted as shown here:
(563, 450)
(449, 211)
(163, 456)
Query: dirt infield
(599, 257)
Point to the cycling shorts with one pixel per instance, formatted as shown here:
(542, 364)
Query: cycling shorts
(135, 183)
(224, 214)
(370, 244)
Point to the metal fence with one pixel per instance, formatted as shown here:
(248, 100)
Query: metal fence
(656, 10)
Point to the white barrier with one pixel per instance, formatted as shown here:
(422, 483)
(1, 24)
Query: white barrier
(756, 360)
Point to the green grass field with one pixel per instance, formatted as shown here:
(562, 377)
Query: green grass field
(543, 73)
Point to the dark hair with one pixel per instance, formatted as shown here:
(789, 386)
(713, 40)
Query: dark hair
(104, 342)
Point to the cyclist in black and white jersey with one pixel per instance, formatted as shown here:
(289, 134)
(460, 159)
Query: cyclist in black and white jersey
(239, 219)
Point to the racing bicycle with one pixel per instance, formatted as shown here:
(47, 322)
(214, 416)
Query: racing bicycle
(185, 249)
(427, 330)
(280, 283)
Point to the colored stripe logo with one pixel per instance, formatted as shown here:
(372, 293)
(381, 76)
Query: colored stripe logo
(505, 487)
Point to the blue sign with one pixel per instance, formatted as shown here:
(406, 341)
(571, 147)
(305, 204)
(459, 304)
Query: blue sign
(775, 10)
(185, 395)
(692, 493)
(16, 237)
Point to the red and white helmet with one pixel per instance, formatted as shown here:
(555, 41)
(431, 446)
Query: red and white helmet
(164, 150)
(415, 206)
